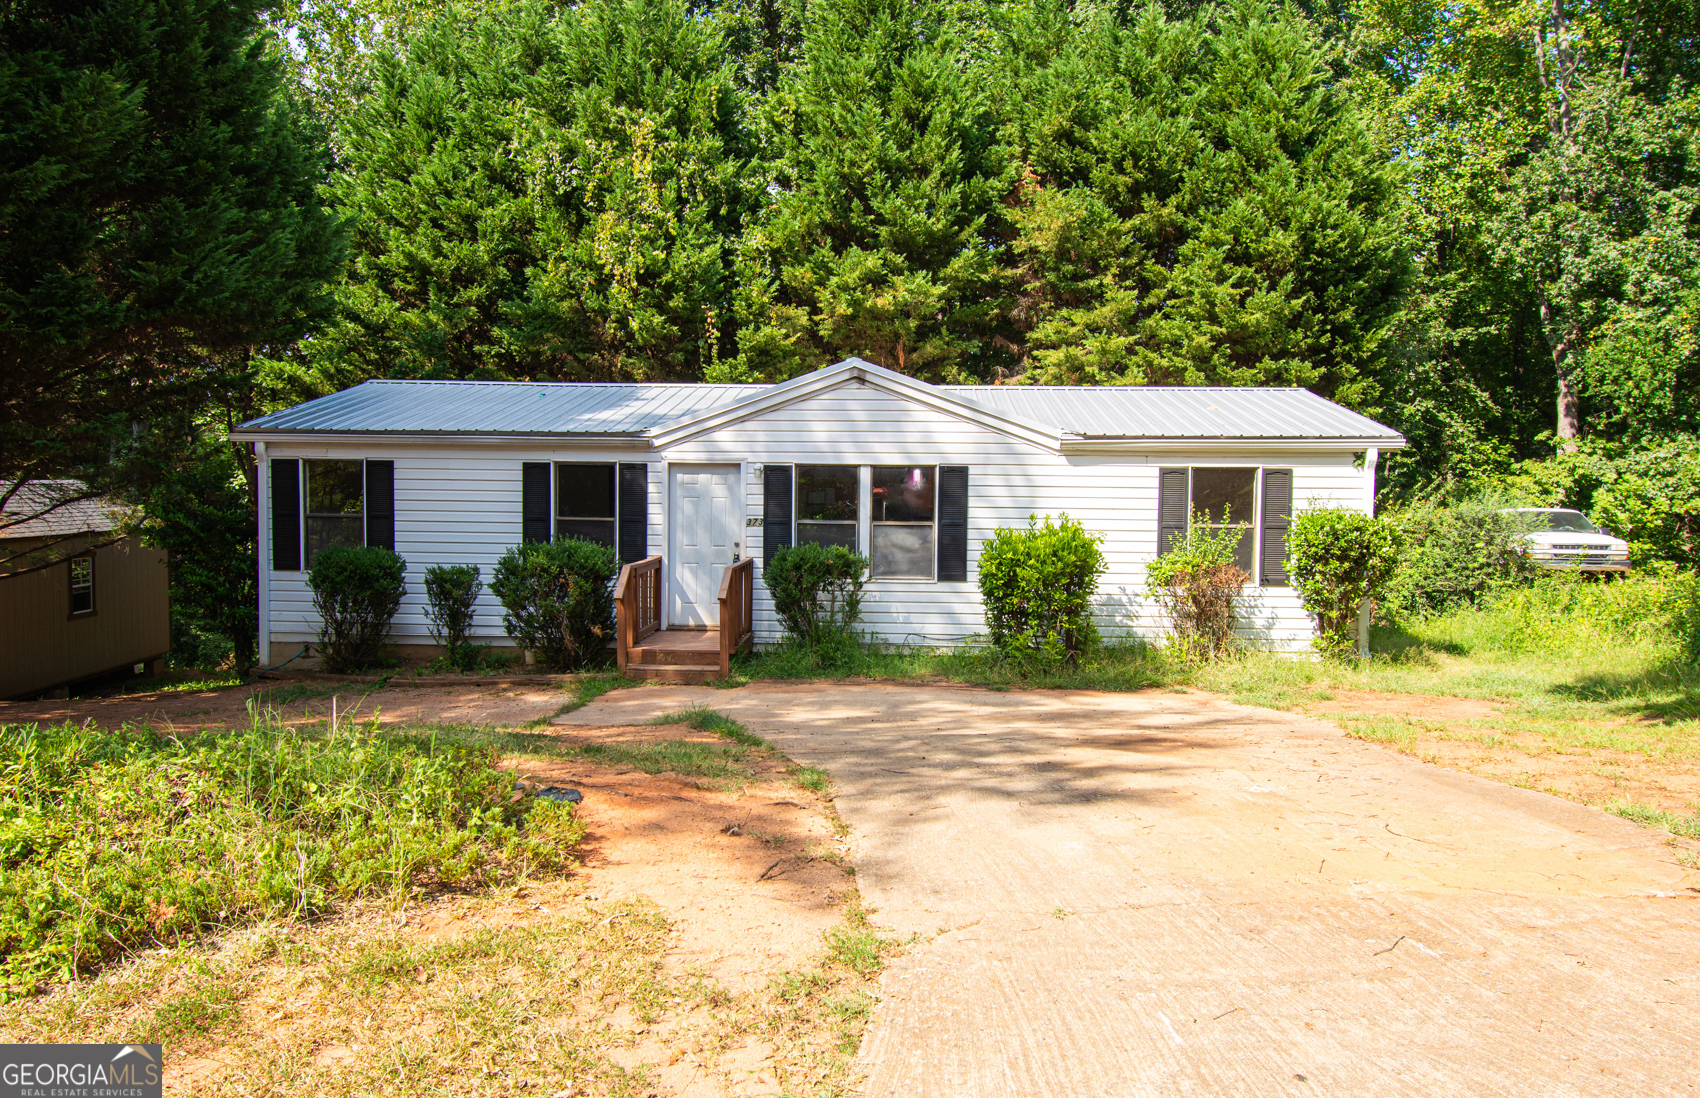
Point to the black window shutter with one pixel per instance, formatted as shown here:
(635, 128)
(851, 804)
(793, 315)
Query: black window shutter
(534, 501)
(1277, 519)
(286, 515)
(380, 504)
(775, 511)
(1173, 499)
(953, 522)
(634, 512)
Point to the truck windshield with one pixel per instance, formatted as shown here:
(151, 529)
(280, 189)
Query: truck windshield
(1566, 520)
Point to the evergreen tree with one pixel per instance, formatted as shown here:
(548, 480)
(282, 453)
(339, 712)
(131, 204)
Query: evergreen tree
(543, 193)
(159, 193)
(881, 238)
(1199, 204)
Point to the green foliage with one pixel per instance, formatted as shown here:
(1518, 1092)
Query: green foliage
(451, 592)
(201, 513)
(1338, 560)
(113, 840)
(1456, 555)
(161, 206)
(356, 592)
(545, 192)
(1199, 202)
(559, 599)
(1038, 584)
(1195, 581)
(817, 592)
(1568, 615)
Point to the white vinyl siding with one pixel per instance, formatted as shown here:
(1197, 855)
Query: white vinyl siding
(459, 503)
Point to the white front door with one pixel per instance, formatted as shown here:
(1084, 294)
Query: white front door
(705, 527)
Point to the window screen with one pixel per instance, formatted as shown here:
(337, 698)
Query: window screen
(901, 542)
(827, 500)
(82, 585)
(1228, 497)
(336, 513)
(584, 503)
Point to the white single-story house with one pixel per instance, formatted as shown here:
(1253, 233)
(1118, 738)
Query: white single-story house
(915, 476)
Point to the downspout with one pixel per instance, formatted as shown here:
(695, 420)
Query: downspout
(1371, 456)
(262, 517)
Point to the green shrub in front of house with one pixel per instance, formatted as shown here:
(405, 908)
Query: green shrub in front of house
(118, 839)
(559, 599)
(356, 591)
(451, 595)
(1195, 581)
(1338, 560)
(817, 594)
(1038, 584)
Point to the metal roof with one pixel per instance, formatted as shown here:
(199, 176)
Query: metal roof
(517, 408)
(502, 408)
(1132, 412)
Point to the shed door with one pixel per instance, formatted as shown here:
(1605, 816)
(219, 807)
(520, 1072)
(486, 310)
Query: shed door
(704, 526)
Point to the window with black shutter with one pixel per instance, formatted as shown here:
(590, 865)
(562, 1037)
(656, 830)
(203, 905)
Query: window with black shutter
(634, 512)
(286, 514)
(380, 504)
(585, 495)
(1174, 492)
(775, 511)
(1277, 520)
(534, 501)
(953, 522)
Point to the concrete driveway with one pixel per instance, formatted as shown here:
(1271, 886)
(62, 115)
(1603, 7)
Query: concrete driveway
(1165, 894)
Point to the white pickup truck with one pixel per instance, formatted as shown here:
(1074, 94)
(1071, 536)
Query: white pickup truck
(1567, 539)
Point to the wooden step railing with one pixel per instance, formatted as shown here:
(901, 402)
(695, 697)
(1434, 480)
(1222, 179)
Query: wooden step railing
(737, 611)
(637, 604)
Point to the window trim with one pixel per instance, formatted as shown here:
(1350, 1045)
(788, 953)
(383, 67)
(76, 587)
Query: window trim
(555, 516)
(305, 479)
(933, 575)
(1256, 523)
(73, 614)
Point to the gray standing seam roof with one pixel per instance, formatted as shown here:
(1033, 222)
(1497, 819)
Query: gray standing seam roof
(595, 409)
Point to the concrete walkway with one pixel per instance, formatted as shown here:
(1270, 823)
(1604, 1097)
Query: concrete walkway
(1164, 894)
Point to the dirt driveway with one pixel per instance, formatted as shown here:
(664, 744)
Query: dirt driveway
(1161, 893)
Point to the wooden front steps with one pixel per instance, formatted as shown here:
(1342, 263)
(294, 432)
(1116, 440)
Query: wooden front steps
(676, 655)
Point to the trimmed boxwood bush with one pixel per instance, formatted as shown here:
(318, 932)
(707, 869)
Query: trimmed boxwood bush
(1037, 585)
(356, 590)
(1337, 560)
(451, 590)
(817, 590)
(559, 599)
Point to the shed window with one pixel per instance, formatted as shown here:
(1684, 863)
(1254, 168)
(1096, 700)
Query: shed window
(584, 502)
(827, 498)
(82, 585)
(901, 541)
(336, 511)
(1227, 498)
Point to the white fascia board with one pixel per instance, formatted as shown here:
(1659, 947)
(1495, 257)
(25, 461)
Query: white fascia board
(618, 442)
(851, 372)
(1175, 444)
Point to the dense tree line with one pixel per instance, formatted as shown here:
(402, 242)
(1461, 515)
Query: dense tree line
(1475, 220)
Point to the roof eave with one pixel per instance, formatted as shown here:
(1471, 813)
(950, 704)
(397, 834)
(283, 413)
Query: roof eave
(474, 438)
(1105, 444)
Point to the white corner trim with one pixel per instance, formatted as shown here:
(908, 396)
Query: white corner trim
(263, 521)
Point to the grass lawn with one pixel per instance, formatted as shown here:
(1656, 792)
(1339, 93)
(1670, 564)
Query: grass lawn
(378, 912)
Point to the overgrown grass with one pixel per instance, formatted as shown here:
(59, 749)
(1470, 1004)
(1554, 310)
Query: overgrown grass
(584, 690)
(1676, 823)
(1122, 665)
(703, 719)
(113, 839)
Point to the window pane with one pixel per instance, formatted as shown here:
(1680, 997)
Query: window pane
(1243, 551)
(903, 493)
(584, 491)
(324, 532)
(82, 585)
(601, 531)
(1225, 495)
(827, 492)
(901, 550)
(827, 533)
(333, 487)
